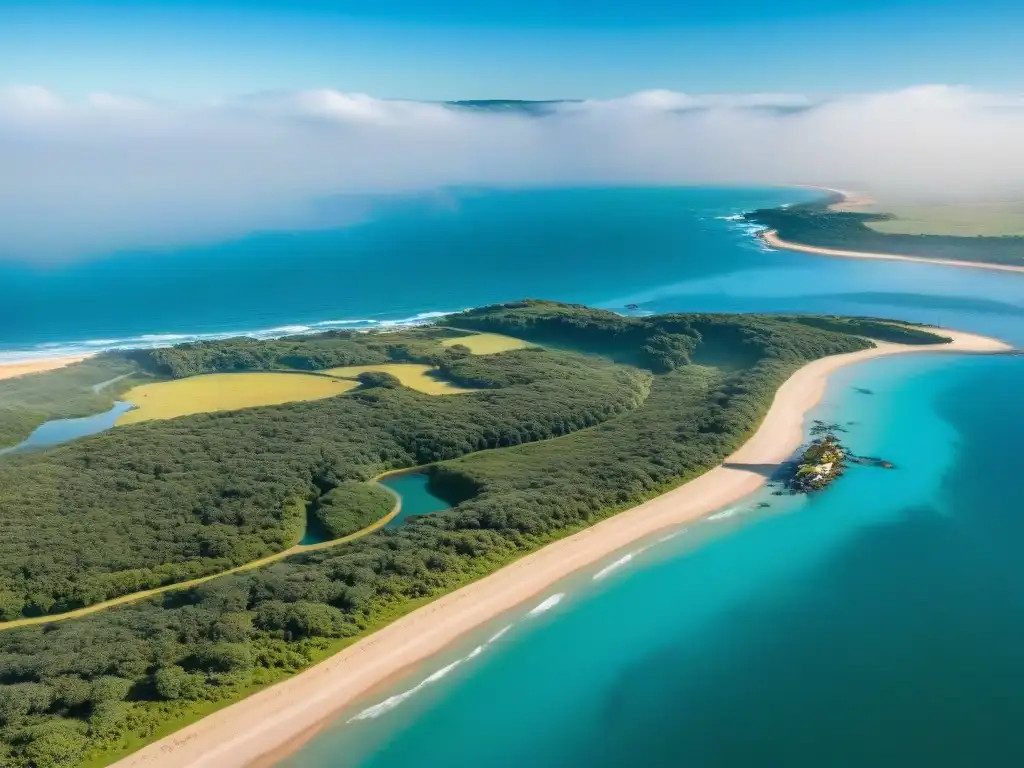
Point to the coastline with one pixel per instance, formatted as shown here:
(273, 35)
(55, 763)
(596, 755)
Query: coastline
(14, 370)
(854, 202)
(772, 240)
(270, 724)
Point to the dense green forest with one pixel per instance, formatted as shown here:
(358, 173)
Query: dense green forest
(351, 506)
(95, 685)
(814, 224)
(155, 503)
(82, 389)
(314, 352)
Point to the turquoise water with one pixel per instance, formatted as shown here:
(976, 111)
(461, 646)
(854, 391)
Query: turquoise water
(60, 431)
(416, 497)
(877, 623)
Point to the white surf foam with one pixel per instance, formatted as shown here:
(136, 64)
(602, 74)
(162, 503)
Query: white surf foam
(611, 567)
(391, 702)
(498, 635)
(725, 514)
(546, 605)
(670, 536)
(50, 349)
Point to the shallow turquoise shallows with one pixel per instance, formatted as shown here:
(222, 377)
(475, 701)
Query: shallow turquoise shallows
(416, 497)
(875, 624)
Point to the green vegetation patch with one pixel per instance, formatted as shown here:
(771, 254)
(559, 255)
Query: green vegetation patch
(351, 506)
(956, 219)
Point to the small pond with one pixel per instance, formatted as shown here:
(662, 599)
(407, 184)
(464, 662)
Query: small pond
(60, 431)
(416, 497)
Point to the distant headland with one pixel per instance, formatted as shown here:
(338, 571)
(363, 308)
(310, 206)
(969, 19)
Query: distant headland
(835, 226)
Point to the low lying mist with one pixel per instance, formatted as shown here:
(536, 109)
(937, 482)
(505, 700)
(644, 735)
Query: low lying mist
(109, 173)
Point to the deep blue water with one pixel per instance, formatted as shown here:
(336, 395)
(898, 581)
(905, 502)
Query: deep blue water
(665, 249)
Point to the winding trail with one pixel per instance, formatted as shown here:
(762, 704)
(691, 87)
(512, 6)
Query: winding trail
(297, 549)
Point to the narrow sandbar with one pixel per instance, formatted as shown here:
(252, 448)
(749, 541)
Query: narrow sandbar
(772, 239)
(265, 726)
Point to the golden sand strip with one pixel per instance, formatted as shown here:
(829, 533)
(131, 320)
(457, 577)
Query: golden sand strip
(772, 239)
(13, 370)
(265, 726)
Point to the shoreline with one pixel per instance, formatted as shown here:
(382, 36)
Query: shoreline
(26, 367)
(854, 202)
(772, 240)
(274, 722)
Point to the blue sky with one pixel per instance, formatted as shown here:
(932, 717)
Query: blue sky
(458, 49)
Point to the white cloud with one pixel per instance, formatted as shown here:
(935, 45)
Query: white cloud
(116, 173)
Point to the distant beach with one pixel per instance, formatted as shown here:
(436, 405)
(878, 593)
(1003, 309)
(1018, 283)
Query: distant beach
(853, 202)
(771, 239)
(272, 723)
(23, 368)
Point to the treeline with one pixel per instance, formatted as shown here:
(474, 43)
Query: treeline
(66, 393)
(307, 353)
(881, 330)
(814, 224)
(78, 688)
(350, 507)
(160, 502)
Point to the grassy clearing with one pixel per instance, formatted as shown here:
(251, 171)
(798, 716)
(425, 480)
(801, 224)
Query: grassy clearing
(412, 375)
(487, 343)
(226, 392)
(991, 219)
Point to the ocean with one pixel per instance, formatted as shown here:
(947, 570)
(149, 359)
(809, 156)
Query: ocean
(411, 259)
(876, 623)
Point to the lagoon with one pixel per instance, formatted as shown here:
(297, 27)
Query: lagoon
(413, 488)
(58, 431)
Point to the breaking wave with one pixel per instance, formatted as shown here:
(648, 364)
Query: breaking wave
(390, 703)
(546, 605)
(52, 349)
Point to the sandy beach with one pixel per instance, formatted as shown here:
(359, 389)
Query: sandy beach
(270, 724)
(772, 239)
(13, 370)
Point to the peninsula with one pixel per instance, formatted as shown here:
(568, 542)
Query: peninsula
(688, 409)
(836, 226)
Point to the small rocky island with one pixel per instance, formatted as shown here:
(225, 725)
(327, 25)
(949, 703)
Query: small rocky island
(821, 462)
(824, 460)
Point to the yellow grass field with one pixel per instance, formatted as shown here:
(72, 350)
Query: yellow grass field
(960, 219)
(412, 375)
(226, 392)
(488, 343)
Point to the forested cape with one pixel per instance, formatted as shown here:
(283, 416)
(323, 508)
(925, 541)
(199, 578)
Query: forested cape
(816, 225)
(612, 411)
